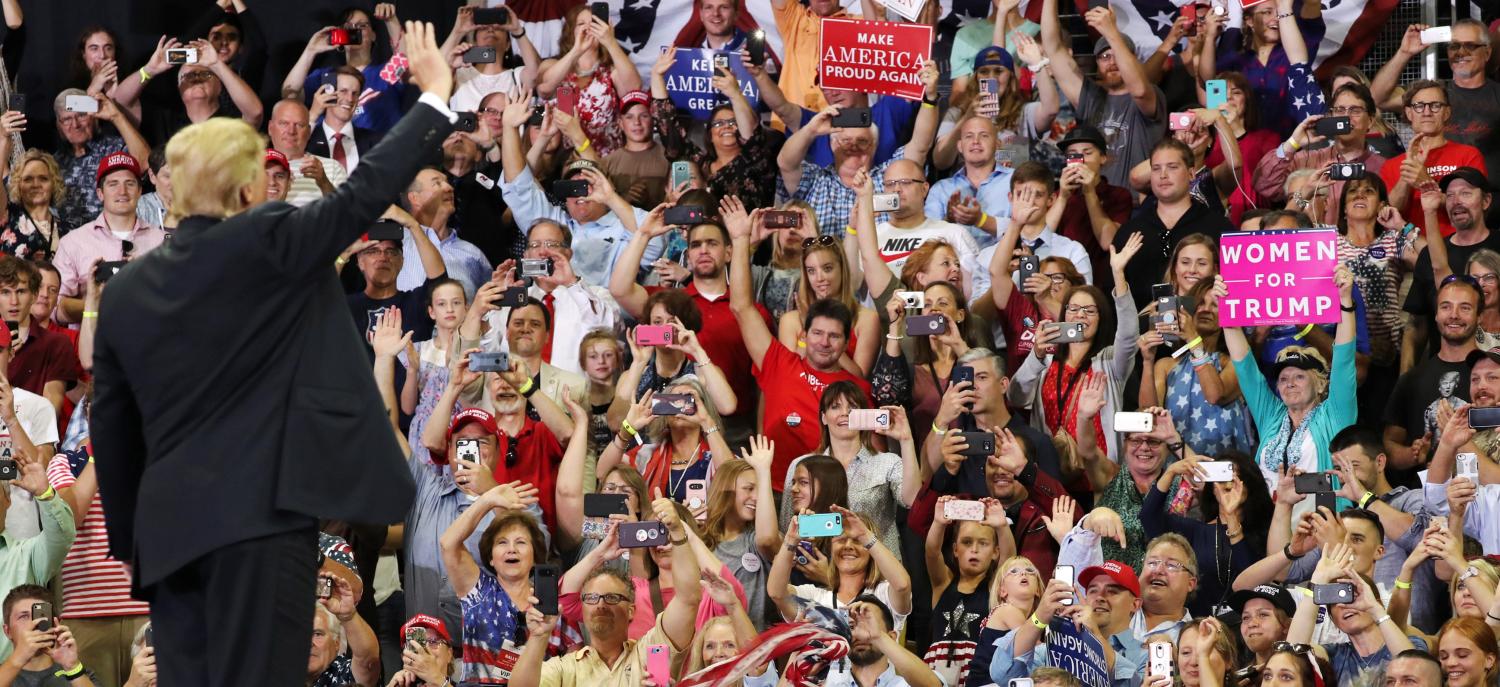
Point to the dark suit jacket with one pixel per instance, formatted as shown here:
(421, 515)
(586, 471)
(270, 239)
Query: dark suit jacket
(365, 140)
(233, 397)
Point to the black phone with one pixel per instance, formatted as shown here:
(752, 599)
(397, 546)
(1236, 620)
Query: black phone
(489, 362)
(1332, 126)
(482, 54)
(107, 270)
(9, 471)
(43, 610)
(980, 443)
(1345, 171)
(513, 297)
(781, 219)
(148, 638)
(674, 404)
(756, 44)
(544, 588)
(604, 505)
(1160, 291)
(538, 112)
(1335, 593)
(926, 325)
(492, 15)
(17, 102)
(600, 10)
(684, 215)
(1314, 483)
(1029, 265)
(468, 122)
(851, 117)
(570, 188)
(386, 230)
(1484, 418)
(329, 80)
(962, 373)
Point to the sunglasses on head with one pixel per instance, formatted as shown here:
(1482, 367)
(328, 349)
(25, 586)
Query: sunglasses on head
(825, 240)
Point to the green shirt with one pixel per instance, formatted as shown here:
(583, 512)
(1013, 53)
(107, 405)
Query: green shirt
(978, 35)
(36, 560)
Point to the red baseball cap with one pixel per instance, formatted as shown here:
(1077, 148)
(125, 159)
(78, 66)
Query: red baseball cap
(433, 625)
(636, 97)
(464, 417)
(275, 157)
(114, 161)
(1120, 573)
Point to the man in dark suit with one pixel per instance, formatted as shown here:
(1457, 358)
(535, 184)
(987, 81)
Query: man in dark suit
(233, 404)
(337, 105)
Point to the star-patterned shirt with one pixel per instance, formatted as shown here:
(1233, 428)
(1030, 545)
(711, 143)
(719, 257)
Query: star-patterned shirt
(956, 619)
(1270, 81)
(489, 619)
(1207, 427)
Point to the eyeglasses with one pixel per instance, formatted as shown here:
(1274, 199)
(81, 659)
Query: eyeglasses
(1022, 571)
(1085, 310)
(1428, 108)
(1294, 648)
(1351, 111)
(1467, 47)
(824, 240)
(1490, 279)
(388, 252)
(1161, 564)
(1145, 441)
(357, 27)
(903, 183)
(548, 245)
(723, 124)
(1056, 277)
(489, 111)
(610, 599)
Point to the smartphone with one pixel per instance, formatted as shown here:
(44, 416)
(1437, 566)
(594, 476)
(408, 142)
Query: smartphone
(989, 97)
(107, 270)
(659, 664)
(492, 15)
(1029, 265)
(417, 635)
(756, 44)
(149, 638)
(721, 63)
(1215, 91)
(1166, 309)
(544, 588)
(1484, 418)
(536, 267)
(912, 300)
(480, 55)
(1217, 470)
(674, 404)
(604, 505)
(1180, 121)
(489, 362)
(1073, 159)
(961, 373)
(17, 102)
(1329, 127)
(9, 471)
(570, 188)
(43, 610)
(468, 122)
(343, 36)
(385, 230)
(696, 492)
(869, 419)
(655, 335)
(820, 525)
(1437, 34)
(1336, 593)
(886, 202)
(979, 444)
(1065, 574)
(681, 173)
(926, 325)
(1021, 682)
(567, 98)
(1134, 422)
(1314, 483)
(538, 113)
(1067, 332)
(781, 219)
(852, 117)
(600, 10)
(684, 215)
(1161, 652)
(1467, 465)
(639, 535)
(81, 103)
(467, 449)
(1190, 13)
(1160, 291)
(182, 56)
(1345, 171)
(325, 587)
(964, 510)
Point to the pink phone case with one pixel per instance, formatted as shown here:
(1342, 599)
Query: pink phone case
(964, 510)
(654, 335)
(659, 664)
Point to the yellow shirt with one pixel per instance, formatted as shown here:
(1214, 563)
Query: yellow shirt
(800, 29)
(584, 668)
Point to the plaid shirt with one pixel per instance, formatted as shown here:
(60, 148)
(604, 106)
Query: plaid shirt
(80, 204)
(833, 201)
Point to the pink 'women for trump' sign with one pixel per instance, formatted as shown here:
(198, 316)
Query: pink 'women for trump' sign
(1279, 277)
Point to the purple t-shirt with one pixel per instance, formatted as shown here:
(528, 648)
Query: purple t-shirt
(1270, 81)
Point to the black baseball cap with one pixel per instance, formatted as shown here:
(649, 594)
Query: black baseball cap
(1084, 133)
(1474, 177)
(1299, 361)
(1274, 593)
(1479, 354)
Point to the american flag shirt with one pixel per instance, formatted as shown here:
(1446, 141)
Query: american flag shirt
(490, 618)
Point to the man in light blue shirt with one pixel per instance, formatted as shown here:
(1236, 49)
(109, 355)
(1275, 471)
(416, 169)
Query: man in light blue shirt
(1112, 597)
(601, 221)
(978, 194)
(429, 199)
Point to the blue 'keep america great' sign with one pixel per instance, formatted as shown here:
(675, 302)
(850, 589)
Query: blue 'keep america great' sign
(690, 81)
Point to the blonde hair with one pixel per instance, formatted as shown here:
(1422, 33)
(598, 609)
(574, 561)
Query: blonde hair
(695, 651)
(211, 163)
(59, 190)
(996, 587)
(1487, 576)
(1319, 379)
(598, 335)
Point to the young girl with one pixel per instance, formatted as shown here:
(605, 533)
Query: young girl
(599, 356)
(448, 308)
(825, 274)
(962, 589)
(739, 529)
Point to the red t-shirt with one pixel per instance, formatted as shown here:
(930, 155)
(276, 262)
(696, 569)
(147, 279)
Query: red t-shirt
(1440, 162)
(1018, 321)
(536, 459)
(791, 414)
(721, 339)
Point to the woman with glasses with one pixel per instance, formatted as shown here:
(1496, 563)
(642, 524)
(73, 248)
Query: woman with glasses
(378, 114)
(825, 274)
(1312, 402)
(1297, 153)
(472, 82)
(1229, 536)
(1484, 268)
(738, 159)
(427, 361)
(674, 452)
(1049, 381)
(856, 563)
(1215, 417)
(1040, 298)
(921, 383)
(1207, 656)
(591, 62)
(741, 531)
(1120, 485)
(425, 663)
(1467, 649)
(653, 369)
(578, 533)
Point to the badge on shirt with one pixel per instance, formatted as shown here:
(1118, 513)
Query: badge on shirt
(750, 562)
(505, 659)
(486, 182)
(793, 420)
(1377, 253)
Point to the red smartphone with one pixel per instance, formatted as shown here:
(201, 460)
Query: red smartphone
(338, 37)
(567, 99)
(1190, 12)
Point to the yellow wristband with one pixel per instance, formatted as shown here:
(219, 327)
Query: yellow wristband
(585, 146)
(1366, 499)
(1194, 343)
(145, 76)
(927, 104)
(1402, 585)
(1303, 334)
(982, 219)
(1294, 144)
(1306, 591)
(851, 231)
(47, 494)
(1039, 624)
(801, 343)
(940, 431)
(625, 425)
(526, 387)
(90, 313)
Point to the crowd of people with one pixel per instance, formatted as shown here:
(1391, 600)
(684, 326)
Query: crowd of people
(952, 386)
